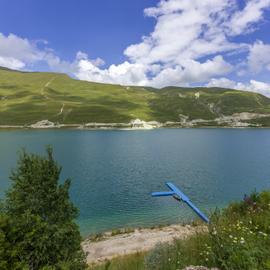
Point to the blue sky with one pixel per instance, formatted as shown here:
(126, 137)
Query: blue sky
(99, 28)
(143, 42)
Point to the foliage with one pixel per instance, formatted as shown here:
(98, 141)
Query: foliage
(9, 254)
(122, 231)
(237, 239)
(178, 254)
(41, 215)
(128, 262)
(240, 237)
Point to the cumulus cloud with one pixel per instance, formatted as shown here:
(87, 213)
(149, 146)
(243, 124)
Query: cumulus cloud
(259, 57)
(186, 46)
(22, 53)
(16, 52)
(184, 30)
(253, 85)
(11, 62)
(243, 21)
(136, 73)
(192, 72)
(125, 73)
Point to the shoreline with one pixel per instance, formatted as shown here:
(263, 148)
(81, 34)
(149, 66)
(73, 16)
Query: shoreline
(110, 246)
(236, 120)
(80, 127)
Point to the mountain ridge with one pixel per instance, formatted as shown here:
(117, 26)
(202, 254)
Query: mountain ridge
(29, 97)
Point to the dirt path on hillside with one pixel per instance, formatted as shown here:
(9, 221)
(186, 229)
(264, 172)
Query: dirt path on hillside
(42, 92)
(61, 110)
(47, 84)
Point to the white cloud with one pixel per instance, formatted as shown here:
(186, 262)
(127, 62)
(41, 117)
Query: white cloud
(125, 73)
(222, 82)
(259, 87)
(136, 73)
(185, 45)
(184, 30)
(11, 62)
(83, 56)
(253, 85)
(193, 72)
(15, 52)
(243, 21)
(259, 57)
(21, 53)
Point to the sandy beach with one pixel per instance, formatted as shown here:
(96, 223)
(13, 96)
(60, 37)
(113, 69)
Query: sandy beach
(138, 241)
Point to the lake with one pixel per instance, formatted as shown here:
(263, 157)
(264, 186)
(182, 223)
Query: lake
(113, 172)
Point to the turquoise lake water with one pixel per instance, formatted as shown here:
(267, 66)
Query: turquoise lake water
(113, 172)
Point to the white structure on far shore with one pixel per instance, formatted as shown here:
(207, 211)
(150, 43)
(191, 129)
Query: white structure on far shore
(43, 124)
(140, 124)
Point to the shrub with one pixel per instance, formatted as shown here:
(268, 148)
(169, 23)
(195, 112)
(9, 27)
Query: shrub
(41, 215)
(179, 254)
(240, 235)
(238, 238)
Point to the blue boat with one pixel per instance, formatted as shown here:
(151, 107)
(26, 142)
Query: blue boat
(180, 196)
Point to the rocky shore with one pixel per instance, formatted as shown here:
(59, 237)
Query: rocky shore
(236, 120)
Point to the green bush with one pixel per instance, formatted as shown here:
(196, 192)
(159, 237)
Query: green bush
(37, 228)
(179, 254)
(238, 238)
(9, 253)
(240, 235)
(128, 262)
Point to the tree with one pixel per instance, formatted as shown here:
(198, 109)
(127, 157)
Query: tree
(9, 254)
(42, 215)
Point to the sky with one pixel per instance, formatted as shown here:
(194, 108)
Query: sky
(224, 43)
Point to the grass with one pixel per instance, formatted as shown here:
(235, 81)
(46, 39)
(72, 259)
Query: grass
(238, 239)
(95, 237)
(28, 97)
(128, 262)
(122, 231)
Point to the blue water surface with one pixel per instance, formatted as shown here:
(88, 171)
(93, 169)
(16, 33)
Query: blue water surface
(113, 172)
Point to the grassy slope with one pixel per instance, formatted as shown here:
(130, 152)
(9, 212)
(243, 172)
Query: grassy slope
(211, 103)
(27, 97)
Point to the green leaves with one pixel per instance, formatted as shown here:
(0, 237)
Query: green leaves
(43, 233)
(9, 253)
(237, 238)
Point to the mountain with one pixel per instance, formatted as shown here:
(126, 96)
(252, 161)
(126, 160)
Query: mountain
(29, 97)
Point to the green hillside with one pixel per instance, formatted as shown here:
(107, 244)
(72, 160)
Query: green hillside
(28, 97)
(207, 103)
